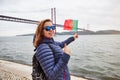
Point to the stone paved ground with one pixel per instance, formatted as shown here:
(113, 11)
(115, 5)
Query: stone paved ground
(15, 71)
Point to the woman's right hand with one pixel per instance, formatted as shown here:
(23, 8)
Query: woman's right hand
(75, 35)
(66, 49)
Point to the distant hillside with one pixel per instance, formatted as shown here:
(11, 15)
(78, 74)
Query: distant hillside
(86, 32)
(108, 32)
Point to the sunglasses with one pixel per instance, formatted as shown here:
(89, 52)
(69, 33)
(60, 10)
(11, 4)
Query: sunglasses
(48, 28)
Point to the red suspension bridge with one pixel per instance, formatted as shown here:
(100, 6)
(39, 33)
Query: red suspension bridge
(28, 21)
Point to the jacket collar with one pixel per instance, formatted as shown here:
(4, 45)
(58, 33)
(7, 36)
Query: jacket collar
(47, 40)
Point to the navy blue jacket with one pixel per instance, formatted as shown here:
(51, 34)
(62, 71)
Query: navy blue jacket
(54, 66)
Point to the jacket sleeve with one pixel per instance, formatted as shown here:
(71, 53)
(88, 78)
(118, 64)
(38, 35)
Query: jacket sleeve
(47, 62)
(67, 41)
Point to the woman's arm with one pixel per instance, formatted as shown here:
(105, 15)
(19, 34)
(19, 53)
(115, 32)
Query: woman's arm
(46, 59)
(67, 41)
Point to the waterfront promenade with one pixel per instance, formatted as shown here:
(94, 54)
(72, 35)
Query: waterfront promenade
(15, 71)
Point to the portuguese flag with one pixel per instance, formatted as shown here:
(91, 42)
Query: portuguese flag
(70, 24)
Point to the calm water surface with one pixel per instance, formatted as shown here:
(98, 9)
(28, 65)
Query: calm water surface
(95, 57)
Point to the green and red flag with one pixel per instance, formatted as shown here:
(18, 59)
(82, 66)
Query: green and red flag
(70, 24)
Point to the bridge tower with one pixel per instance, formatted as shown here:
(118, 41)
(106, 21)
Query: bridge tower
(53, 15)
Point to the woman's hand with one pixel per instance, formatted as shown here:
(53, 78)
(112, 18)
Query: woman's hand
(66, 49)
(75, 36)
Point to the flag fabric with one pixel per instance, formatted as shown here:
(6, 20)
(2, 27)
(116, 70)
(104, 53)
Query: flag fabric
(70, 24)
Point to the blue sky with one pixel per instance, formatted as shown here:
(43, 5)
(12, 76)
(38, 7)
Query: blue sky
(92, 14)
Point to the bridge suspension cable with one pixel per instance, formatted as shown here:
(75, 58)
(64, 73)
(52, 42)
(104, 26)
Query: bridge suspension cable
(14, 19)
(21, 20)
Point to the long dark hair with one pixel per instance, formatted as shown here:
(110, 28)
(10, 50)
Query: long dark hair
(39, 32)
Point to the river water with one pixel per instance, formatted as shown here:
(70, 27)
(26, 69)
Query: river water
(95, 57)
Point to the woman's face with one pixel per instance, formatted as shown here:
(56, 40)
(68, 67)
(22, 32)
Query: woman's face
(49, 30)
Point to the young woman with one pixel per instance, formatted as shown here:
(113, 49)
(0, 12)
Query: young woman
(54, 66)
